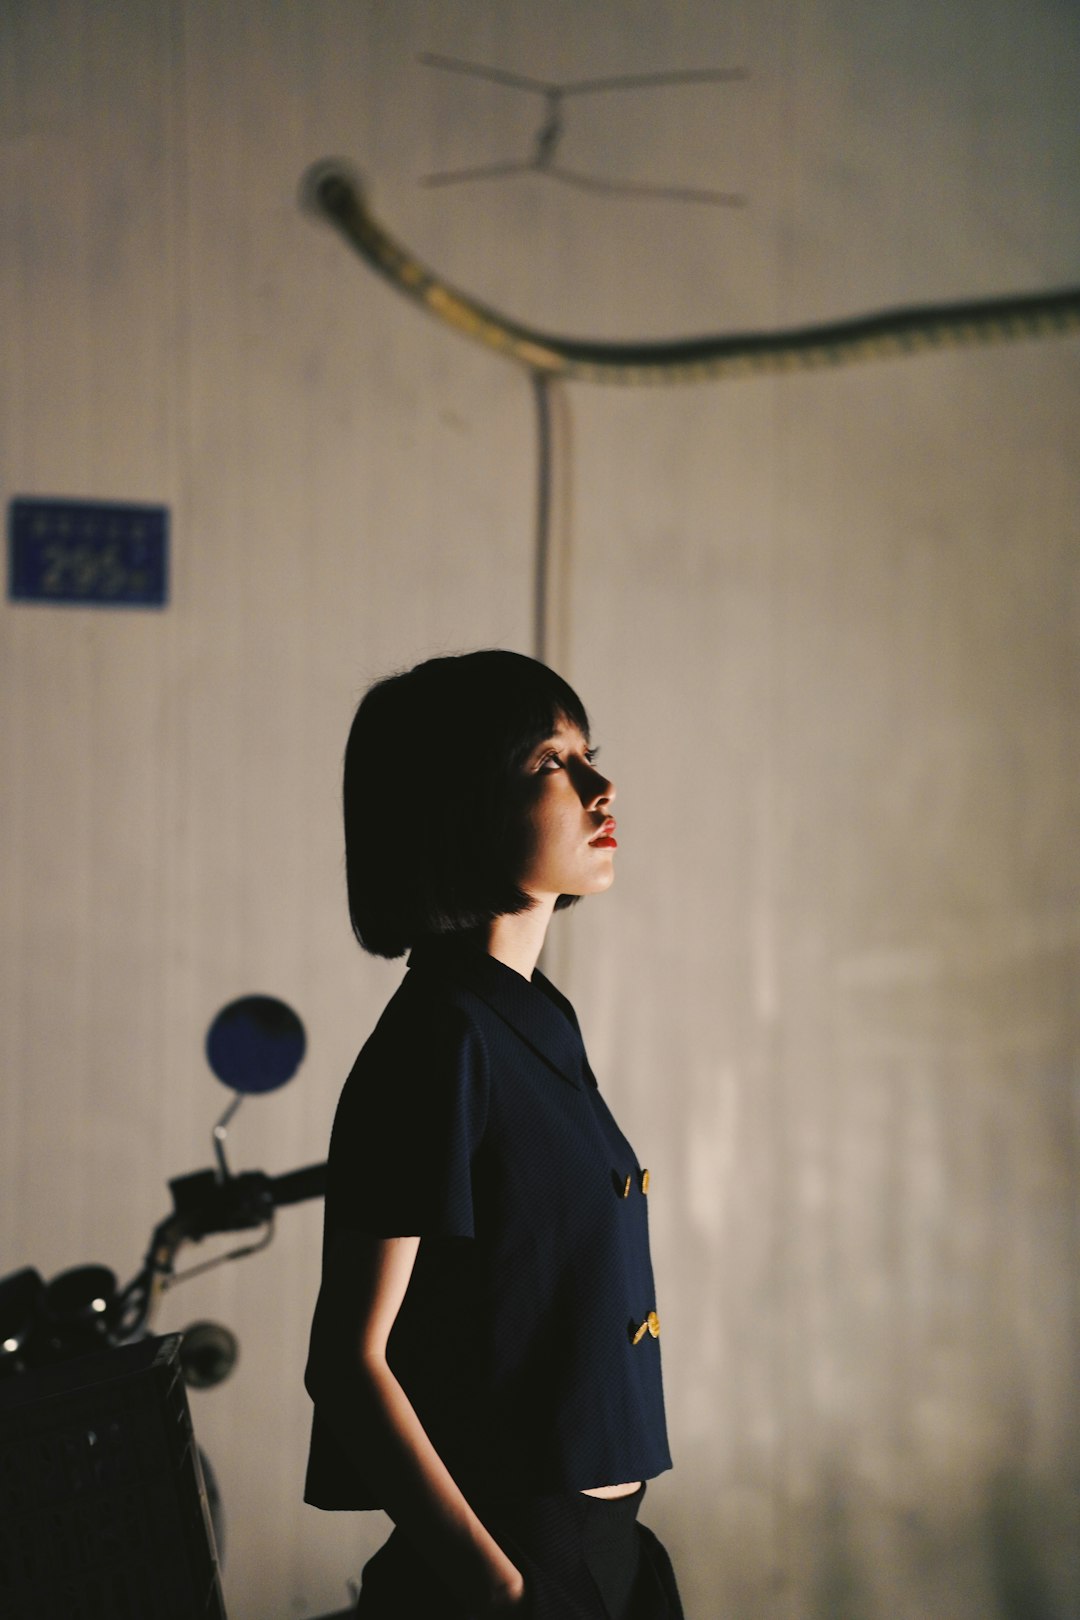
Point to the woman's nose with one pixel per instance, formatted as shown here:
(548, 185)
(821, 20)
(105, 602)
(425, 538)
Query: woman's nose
(599, 791)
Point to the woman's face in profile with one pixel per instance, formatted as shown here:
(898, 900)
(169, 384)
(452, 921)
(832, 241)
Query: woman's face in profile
(572, 843)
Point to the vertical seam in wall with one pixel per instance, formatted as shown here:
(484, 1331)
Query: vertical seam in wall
(554, 576)
(173, 734)
(14, 730)
(775, 755)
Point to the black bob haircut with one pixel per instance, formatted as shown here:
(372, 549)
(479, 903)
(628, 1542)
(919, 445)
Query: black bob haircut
(434, 797)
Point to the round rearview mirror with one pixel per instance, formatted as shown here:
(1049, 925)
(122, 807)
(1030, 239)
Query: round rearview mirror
(255, 1044)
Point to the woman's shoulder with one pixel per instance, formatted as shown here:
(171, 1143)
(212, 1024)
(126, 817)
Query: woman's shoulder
(431, 1002)
(427, 1029)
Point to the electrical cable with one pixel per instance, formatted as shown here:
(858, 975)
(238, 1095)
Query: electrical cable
(331, 191)
(541, 398)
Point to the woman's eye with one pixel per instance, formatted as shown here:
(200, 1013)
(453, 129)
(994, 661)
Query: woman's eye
(554, 762)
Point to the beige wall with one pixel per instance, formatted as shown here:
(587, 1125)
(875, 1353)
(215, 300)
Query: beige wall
(828, 629)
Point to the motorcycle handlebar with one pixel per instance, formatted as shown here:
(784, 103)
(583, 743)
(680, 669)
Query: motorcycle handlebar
(205, 1203)
(297, 1185)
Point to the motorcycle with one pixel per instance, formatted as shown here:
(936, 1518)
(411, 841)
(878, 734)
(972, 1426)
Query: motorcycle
(254, 1045)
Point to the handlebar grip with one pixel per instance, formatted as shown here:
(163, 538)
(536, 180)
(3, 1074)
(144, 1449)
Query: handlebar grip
(297, 1185)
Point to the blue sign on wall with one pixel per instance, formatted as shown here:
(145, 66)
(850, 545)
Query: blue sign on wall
(95, 553)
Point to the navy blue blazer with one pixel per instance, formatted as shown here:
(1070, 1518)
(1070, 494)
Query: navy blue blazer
(528, 1340)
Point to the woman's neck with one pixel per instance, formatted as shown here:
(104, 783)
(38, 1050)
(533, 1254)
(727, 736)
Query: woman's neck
(517, 939)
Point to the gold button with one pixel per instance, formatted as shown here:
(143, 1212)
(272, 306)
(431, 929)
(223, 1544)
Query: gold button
(651, 1325)
(645, 1182)
(626, 1187)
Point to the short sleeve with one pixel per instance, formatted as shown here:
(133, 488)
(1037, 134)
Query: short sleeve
(408, 1124)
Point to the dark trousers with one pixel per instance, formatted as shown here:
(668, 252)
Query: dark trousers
(583, 1558)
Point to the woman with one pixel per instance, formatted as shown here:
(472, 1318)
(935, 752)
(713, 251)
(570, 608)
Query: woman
(484, 1359)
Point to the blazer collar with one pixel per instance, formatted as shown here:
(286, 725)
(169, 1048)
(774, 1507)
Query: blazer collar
(534, 1009)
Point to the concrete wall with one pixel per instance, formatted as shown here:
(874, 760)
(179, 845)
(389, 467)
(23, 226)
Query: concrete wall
(827, 626)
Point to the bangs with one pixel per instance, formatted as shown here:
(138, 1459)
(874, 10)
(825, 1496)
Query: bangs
(532, 702)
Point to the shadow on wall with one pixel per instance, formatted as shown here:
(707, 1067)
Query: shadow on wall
(1022, 1556)
(1017, 1522)
(839, 1591)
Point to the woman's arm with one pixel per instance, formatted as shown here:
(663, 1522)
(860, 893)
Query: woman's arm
(364, 1283)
